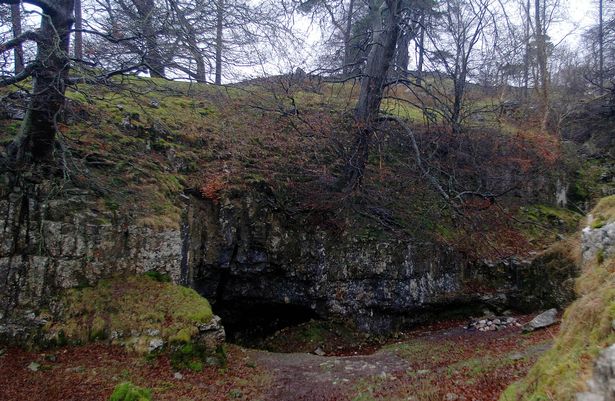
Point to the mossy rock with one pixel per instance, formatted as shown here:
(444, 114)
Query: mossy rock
(130, 310)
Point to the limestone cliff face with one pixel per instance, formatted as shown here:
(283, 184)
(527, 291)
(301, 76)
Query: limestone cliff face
(240, 250)
(54, 238)
(245, 251)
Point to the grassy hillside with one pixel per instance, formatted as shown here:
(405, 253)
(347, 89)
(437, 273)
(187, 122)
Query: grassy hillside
(140, 142)
(586, 329)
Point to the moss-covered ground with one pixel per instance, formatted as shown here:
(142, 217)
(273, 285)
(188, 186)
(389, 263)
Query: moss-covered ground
(139, 143)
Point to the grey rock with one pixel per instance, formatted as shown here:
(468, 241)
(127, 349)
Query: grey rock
(597, 240)
(589, 397)
(319, 351)
(251, 246)
(152, 332)
(34, 366)
(178, 376)
(545, 319)
(602, 384)
(211, 334)
(155, 344)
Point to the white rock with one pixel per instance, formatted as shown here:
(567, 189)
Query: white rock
(155, 344)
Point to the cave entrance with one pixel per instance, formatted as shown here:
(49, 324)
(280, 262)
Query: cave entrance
(248, 323)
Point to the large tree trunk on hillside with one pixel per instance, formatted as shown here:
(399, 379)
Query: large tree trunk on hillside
(421, 50)
(36, 140)
(402, 59)
(381, 55)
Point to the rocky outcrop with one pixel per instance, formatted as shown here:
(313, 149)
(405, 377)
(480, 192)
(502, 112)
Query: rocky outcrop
(602, 385)
(598, 241)
(245, 251)
(53, 238)
(249, 258)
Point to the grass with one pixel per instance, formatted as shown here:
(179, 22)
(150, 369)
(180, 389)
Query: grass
(603, 213)
(586, 329)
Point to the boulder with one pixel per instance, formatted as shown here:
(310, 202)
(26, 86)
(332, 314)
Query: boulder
(545, 319)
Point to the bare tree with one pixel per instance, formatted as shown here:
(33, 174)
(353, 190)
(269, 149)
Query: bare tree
(373, 83)
(541, 60)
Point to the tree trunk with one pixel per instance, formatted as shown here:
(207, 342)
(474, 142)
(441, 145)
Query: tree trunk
(153, 57)
(78, 31)
(402, 58)
(347, 68)
(36, 140)
(16, 25)
(219, 40)
(421, 49)
(541, 56)
(380, 56)
(193, 45)
(526, 57)
(601, 46)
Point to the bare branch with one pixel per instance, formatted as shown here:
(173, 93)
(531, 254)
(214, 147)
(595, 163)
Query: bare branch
(23, 75)
(15, 42)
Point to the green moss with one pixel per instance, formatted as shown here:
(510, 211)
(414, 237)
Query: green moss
(157, 276)
(129, 392)
(128, 304)
(189, 356)
(598, 222)
(182, 336)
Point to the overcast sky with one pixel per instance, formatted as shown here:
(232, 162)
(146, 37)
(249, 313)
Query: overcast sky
(579, 15)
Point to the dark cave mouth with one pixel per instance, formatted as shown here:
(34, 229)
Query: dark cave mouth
(249, 322)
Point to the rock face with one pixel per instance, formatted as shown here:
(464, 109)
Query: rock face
(53, 238)
(246, 253)
(598, 240)
(602, 384)
(247, 256)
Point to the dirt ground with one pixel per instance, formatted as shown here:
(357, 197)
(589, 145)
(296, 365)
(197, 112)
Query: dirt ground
(443, 362)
